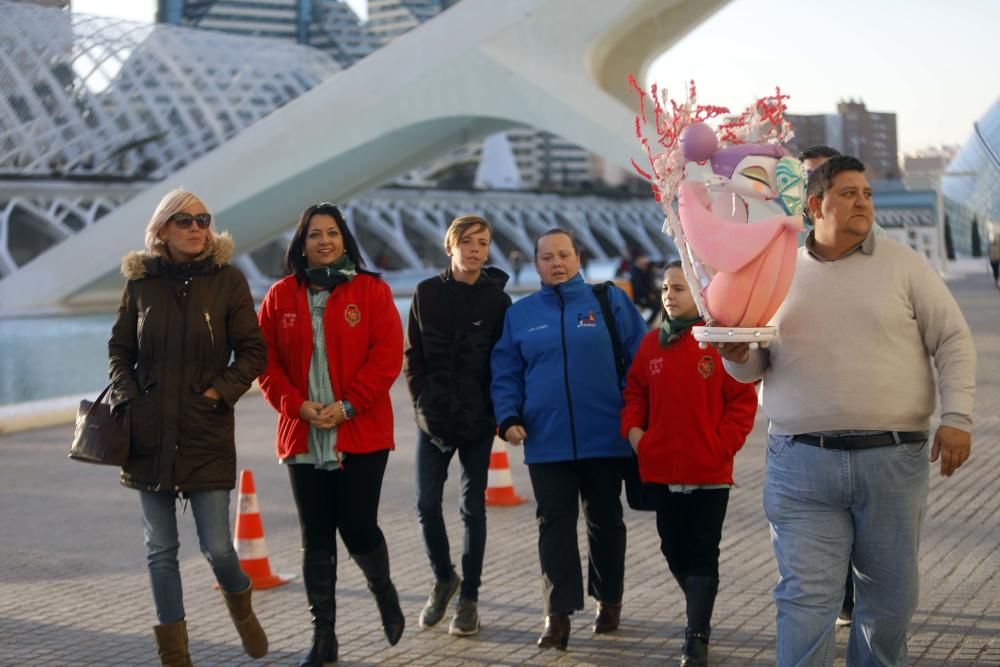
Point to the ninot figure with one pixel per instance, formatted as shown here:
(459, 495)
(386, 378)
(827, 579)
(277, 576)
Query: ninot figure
(739, 265)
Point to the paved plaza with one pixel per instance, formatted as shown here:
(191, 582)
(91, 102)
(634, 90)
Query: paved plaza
(73, 587)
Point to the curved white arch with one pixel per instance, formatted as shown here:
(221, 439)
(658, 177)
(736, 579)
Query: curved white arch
(544, 63)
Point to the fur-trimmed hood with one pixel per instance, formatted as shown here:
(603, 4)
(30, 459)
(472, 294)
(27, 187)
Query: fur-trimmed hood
(139, 264)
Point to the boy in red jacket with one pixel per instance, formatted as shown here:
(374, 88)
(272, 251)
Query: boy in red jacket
(686, 418)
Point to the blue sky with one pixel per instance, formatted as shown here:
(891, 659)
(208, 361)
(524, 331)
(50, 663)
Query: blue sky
(930, 62)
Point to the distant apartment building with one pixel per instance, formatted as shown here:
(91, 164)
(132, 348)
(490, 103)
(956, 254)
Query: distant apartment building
(854, 130)
(329, 25)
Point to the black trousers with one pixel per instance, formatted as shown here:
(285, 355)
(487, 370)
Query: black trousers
(690, 529)
(559, 488)
(344, 500)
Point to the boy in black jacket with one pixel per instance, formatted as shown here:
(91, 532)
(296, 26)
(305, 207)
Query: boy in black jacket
(455, 320)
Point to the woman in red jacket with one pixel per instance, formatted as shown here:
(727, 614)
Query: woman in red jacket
(686, 419)
(335, 346)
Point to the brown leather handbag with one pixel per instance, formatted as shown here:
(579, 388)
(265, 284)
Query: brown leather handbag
(101, 436)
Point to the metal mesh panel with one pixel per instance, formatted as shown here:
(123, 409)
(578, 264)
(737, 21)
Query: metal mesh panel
(98, 97)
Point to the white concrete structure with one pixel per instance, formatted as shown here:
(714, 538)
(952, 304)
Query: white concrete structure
(480, 67)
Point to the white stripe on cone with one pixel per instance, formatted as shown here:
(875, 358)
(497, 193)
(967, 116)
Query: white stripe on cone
(248, 504)
(499, 478)
(252, 549)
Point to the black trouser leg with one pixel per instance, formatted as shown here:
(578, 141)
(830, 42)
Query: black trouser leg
(557, 492)
(600, 489)
(690, 529)
(315, 489)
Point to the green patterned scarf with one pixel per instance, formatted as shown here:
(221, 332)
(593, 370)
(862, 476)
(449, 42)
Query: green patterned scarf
(332, 274)
(671, 330)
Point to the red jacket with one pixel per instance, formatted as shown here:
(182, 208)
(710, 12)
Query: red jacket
(695, 415)
(364, 347)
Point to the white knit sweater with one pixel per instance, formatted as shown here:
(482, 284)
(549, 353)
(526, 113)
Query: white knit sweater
(856, 340)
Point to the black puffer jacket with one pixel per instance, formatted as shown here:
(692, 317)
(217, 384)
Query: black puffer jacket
(449, 336)
(177, 329)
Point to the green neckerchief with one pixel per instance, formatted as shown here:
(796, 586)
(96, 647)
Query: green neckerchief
(671, 330)
(331, 275)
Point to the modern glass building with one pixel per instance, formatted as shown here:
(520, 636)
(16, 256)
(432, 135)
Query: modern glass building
(971, 185)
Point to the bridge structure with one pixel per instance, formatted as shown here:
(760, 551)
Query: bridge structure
(480, 67)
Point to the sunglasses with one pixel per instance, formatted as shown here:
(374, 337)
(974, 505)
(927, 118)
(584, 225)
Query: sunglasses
(184, 220)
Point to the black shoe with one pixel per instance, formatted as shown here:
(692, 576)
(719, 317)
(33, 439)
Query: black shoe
(375, 566)
(695, 653)
(319, 574)
(556, 632)
(846, 616)
(323, 652)
(608, 617)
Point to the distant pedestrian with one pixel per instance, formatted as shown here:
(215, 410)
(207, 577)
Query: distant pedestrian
(184, 347)
(455, 320)
(516, 260)
(686, 419)
(335, 346)
(994, 250)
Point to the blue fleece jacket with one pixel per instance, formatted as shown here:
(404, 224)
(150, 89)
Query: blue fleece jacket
(554, 372)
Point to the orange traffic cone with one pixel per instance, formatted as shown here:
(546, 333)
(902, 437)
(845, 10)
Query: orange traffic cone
(500, 483)
(249, 538)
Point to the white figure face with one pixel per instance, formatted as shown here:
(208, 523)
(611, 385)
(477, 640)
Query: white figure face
(754, 178)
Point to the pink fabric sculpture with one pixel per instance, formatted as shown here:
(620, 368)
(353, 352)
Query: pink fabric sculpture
(741, 269)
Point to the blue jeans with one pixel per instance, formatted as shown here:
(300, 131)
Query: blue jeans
(432, 472)
(211, 517)
(830, 507)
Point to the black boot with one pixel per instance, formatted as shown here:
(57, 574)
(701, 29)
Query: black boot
(375, 566)
(700, 592)
(319, 573)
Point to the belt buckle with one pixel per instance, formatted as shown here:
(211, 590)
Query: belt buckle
(822, 446)
(895, 438)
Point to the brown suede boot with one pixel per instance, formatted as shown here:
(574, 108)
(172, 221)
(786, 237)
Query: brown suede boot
(172, 644)
(252, 635)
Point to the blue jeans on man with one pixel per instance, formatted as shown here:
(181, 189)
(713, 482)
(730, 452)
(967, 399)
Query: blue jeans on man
(211, 517)
(432, 472)
(828, 508)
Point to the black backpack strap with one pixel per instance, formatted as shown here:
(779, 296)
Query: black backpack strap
(603, 298)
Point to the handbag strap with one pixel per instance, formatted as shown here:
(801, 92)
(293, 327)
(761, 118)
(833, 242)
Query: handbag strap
(604, 299)
(100, 398)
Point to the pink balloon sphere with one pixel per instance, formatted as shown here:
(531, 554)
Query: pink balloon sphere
(698, 142)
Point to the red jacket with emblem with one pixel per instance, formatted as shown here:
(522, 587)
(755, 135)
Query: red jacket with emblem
(696, 416)
(364, 347)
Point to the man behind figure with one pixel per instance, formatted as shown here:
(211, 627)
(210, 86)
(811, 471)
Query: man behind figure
(455, 320)
(847, 465)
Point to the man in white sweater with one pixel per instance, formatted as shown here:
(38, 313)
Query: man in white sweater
(849, 388)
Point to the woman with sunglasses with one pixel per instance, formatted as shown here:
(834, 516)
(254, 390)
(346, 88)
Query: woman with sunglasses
(335, 346)
(184, 347)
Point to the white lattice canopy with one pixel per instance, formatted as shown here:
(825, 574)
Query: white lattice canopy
(96, 97)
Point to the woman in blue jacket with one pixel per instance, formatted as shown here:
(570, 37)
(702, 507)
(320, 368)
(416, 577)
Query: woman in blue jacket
(556, 390)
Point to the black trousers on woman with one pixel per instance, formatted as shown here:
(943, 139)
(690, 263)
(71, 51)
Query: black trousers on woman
(559, 489)
(344, 500)
(690, 529)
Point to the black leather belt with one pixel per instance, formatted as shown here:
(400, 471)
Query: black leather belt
(884, 439)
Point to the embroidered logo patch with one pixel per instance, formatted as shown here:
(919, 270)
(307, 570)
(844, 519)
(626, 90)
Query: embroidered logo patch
(587, 320)
(288, 320)
(656, 366)
(706, 366)
(352, 314)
